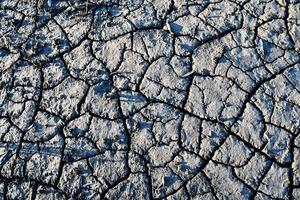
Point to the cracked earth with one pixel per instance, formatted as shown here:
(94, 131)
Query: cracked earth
(140, 99)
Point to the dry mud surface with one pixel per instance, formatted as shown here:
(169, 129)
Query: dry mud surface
(150, 99)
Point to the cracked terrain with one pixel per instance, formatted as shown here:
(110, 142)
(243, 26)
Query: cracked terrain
(150, 99)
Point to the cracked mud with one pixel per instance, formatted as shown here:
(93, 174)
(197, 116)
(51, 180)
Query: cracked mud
(140, 99)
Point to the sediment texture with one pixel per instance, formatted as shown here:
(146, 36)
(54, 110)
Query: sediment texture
(150, 99)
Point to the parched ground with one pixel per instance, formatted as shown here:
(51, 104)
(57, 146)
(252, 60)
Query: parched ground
(150, 99)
